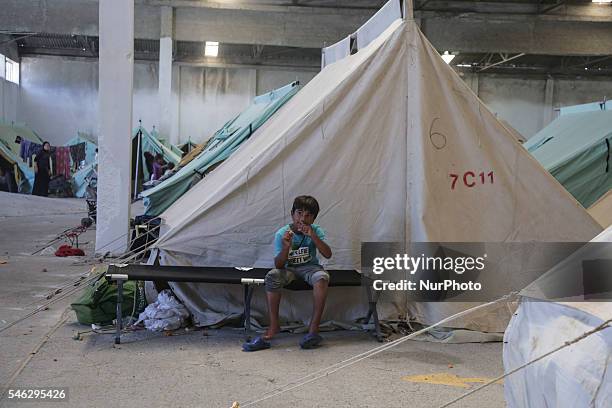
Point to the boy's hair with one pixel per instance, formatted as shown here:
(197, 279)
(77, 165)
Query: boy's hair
(170, 166)
(305, 202)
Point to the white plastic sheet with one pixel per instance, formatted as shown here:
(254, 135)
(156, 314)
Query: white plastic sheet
(378, 23)
(335, 52)
(166, 313)
(579, 375)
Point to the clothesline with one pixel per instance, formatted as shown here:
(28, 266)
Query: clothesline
(63, 158)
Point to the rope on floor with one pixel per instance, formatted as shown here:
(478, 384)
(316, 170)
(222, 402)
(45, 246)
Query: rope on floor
(317, 375)
(82, 285)
(32, 353)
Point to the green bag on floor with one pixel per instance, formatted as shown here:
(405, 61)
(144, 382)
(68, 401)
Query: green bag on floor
(98, 304)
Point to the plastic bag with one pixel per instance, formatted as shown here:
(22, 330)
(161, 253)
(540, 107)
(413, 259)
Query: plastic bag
(166, 313)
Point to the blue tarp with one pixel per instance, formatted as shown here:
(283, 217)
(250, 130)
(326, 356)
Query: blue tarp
(79, 180)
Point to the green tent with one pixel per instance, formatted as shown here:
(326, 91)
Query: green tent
(575, 149)
(148, 143)
(218, 148)
(586, 107)
(9, 152)
(80, 177)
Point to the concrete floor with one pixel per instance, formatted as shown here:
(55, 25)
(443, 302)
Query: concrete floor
(203, 368)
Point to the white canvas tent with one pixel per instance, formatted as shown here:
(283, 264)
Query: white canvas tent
(601, 210)
(375, 137)
(577, 376)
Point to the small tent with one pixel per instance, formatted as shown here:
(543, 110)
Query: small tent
(84, 172)
(80, 179)
(575, 149)
(9, 131)
(20, 176)
(392, 143)
(9, 153)
(579, 375)
(218, 148)
(143, 142)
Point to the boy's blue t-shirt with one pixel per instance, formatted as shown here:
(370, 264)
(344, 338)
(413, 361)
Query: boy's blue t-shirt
(303, 251)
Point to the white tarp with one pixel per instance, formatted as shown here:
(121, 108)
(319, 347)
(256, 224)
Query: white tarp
(367, 33)
(577, 376)
(336, 52)
(378, 23)
(376, 138)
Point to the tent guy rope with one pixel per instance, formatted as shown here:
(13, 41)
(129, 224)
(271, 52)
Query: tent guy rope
(583, 336)
(317, 375)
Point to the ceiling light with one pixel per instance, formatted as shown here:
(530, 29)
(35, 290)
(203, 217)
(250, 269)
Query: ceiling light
(449, 57)
(602, 1)
(211, 49)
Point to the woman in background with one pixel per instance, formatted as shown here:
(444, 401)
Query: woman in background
(42, 168)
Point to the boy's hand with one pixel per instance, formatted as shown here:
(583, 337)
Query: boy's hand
(287, 238)
(306, 230)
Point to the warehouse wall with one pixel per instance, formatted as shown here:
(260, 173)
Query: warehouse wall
(9, 100)
(209, 97)
(521, 101)
(59, 96)
(9, 92)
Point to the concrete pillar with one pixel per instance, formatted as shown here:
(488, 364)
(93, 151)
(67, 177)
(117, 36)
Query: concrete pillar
(116, 77)
(548, 102)
(165, 75)
(176, 96)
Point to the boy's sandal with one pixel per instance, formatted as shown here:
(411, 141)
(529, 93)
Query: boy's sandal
(310, 341)
(258, 343)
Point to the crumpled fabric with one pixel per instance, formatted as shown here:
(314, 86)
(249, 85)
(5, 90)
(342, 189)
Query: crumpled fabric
(67, 250)
(166, 313)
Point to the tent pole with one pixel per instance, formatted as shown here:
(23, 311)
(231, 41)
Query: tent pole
(139, 136)
(408, 10)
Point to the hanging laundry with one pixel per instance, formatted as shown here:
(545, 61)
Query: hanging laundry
(77, 152)
(33, 150)
(62, 161)
(24, 148)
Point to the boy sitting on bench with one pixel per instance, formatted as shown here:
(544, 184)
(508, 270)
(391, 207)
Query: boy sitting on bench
(295, 246)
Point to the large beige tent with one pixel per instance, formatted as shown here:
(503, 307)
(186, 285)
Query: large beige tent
(601, 210)
(396, 147)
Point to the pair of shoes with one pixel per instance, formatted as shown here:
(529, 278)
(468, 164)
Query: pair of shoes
(310, 341)
(258, 343)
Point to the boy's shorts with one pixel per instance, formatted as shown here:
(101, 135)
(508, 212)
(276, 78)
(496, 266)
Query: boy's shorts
(277, 279)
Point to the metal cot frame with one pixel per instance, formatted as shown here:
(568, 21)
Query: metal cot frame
(227, 275)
